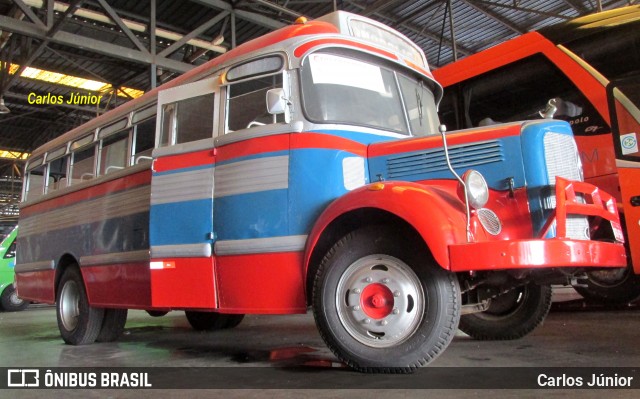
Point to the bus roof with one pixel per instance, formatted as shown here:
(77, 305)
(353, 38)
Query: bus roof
(581, 27)
(336, 23)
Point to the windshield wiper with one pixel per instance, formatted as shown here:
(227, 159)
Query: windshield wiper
(419, 101)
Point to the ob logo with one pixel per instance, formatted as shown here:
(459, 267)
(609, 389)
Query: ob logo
(23, 378)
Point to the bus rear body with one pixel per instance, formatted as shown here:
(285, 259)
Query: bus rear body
(339, 194)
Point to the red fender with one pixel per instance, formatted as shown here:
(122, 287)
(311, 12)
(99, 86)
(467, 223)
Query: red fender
(435, 212)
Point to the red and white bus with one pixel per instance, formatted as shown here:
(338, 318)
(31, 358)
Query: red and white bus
(307, 168)
(585, 71)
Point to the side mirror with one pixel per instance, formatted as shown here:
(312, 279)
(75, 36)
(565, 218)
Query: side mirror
(276, 103)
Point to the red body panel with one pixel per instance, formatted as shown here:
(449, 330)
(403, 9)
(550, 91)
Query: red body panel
(37, 286)
(184, 283)
(440, 221)
(124, 285)
(262, 283)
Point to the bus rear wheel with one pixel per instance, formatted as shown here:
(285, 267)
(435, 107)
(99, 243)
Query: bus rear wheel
(511, 315)
(611, 287)
(112, 325)
(78, 322)
(382, 305)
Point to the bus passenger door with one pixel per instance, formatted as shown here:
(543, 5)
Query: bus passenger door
(624, 104)
(181, 215)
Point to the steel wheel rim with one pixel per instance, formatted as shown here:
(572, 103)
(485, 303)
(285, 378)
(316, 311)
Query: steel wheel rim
(15, 300)
(69, 305)
(380, 301)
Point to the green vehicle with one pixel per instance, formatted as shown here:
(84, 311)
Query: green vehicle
(9, 300)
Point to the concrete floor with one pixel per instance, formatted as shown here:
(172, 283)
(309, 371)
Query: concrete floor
(573, 336)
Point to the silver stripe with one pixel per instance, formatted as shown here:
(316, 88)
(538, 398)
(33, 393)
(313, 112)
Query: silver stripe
(181, 251)
(110, 206)
(255, 175)
(621, 163)
(34, 266)
(261, 245)
(183, 148)
(183, 186)
(117, 257)
(259, 131)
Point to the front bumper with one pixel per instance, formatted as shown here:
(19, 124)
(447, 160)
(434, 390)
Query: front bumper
(522, 254)
(572, 198)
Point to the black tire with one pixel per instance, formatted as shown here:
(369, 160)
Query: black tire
(79, 323)
(112, 325)
(410, 306)
(10, 302)
(611, 286)
(511, 315)
(157, 313)
(212, 321)
(233, 320)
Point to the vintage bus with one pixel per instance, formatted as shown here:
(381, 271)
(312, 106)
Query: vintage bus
(307, 168)
(573, 65)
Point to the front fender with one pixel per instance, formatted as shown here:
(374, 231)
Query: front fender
(435, 212)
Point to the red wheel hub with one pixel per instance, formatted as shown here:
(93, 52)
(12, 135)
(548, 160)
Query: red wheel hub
(376, 301)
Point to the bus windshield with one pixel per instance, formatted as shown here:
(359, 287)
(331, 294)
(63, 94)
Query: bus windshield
(342, 89)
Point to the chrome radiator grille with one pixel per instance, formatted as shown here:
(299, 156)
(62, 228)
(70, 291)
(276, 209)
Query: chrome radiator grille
(562, 159)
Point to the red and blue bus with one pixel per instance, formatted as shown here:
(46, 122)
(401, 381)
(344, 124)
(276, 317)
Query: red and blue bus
(307, 168)
(584, 71)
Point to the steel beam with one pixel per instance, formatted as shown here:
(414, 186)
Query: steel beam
(96, 46)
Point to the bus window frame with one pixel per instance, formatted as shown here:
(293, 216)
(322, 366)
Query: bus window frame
(615, 127)
(179, 93)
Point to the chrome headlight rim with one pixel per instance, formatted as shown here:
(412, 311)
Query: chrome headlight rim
(477, 189)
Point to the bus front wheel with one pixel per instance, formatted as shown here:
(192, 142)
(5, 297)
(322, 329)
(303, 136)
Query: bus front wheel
(382, 305)
(78, 322)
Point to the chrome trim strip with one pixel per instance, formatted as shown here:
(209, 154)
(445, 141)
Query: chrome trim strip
(183, 148)
(116, 257)
(120, 204)
(181, 251)
(621, 163)
(252, 176)
(35, 266)
(182, 186)
(261, 245)
(259, 131)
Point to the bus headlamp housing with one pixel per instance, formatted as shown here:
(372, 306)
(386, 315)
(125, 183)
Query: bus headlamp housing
(476, 188)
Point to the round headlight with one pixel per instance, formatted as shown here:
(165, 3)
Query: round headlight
(477, 189)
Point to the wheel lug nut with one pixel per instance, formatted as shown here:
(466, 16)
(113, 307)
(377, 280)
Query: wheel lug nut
(385, 281)
(367, 321)
(396, 294)
(357, 290)
(368, 279)
(356, 307)
(384, 323)
(395, 311)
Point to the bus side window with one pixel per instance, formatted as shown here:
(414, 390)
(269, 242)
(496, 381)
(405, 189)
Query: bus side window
(143, 141)
(188, 120)
(82, 166)
(113, 154)
(35, 183)
(246, 103)
(57, 174)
